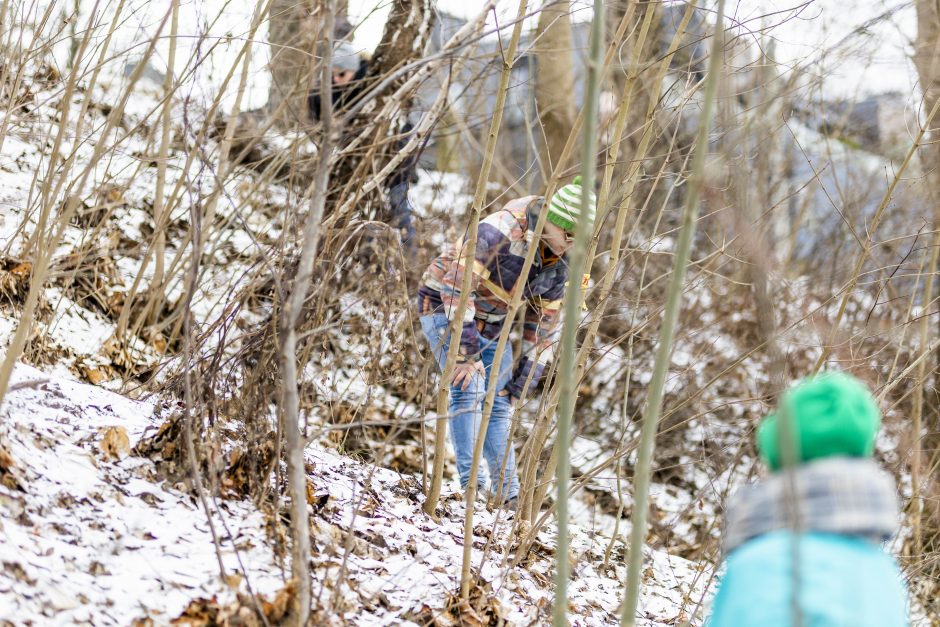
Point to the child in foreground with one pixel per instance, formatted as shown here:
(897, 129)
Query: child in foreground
(834, 511)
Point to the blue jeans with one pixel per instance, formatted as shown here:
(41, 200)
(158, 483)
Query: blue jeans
(465, 410)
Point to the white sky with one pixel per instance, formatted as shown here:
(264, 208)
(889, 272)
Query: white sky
(877, 62)
(873, 59)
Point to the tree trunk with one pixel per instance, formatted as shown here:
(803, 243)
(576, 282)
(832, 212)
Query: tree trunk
(927, 61)
(342, 27)
(290, 316)
(654, 401)
(926, 439)
(641, 69)
(371, 132)
(292, 32)
(567, 365)
(554, 80)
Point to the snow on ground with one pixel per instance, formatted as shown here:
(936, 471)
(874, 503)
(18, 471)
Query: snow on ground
(92, 537)
(418, 559)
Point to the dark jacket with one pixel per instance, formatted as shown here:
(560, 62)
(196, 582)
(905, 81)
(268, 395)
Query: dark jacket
(345, 95)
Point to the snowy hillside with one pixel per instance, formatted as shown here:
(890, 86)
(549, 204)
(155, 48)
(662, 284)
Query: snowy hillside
(92, 536)
(142, 468)
(96, 534)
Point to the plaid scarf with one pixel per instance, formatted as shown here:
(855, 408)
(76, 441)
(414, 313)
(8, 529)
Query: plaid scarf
(843, 495)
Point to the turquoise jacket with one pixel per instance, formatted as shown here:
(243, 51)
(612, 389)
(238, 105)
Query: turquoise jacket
(845, 581)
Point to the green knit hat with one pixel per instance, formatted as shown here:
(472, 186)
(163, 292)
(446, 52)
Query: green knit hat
(565, 208)
(833, 414)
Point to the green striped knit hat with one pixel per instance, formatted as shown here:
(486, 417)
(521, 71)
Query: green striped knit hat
(565, 208)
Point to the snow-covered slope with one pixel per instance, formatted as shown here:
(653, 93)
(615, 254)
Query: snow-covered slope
(89, 535)
(93, 534)
(92, 537)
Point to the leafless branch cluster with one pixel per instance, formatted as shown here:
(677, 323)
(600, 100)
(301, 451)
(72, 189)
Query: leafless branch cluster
(243, 262)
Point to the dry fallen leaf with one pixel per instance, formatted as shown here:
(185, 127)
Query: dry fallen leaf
(233, 580)
(115, 195)
(114, 442)
(18, 572)
(158, 341)
(277, 609)
(200, 612)
(9, 476)
(468, 615)
(14, 280)
(95, 376)
(316, 498)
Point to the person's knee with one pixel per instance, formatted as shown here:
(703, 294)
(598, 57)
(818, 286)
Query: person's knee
(462, 417)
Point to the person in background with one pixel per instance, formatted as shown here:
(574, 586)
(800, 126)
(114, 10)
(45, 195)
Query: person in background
(503, 240)
(349, 71)
(833, 510)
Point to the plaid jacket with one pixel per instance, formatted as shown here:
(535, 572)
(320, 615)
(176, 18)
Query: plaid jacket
(843, 495)
(503, 239)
